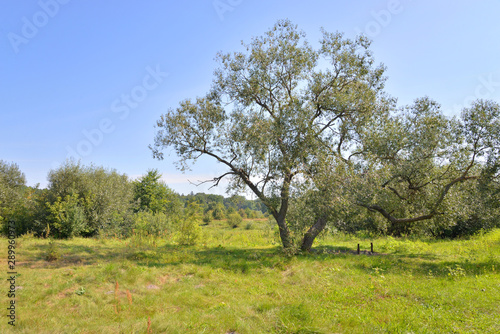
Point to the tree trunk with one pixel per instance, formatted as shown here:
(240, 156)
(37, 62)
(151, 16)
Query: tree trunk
(285, 236)
(312, 233)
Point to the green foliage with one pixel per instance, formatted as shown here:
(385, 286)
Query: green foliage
(249, 213)
(12, 190)
(188, 228)
(153, 195)
(291, 103)
(225, 206)
(67, 217)
(219, 211)
(53, 252)
(155, 224)
(208, 216)
(413, 171)
(234, 220)
(105, 196)
(12, 182)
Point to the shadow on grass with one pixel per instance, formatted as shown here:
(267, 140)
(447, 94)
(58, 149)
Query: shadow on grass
(249, 259)
(70, 254)
(326, 249)
(428, 266)
(456, 269)
(246, 260)
(236, 260)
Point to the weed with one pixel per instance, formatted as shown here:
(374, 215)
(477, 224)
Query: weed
(117, 290)
(52, 253)
(189, 231)
(455, 272)
(129, 297)
(80, 291)
(378, 272)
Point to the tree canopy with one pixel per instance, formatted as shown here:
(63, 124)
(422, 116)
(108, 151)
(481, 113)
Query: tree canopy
(103, 196)
(274, 109)
(154, 195)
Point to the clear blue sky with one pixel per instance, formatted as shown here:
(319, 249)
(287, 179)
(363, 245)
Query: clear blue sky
(71, 70)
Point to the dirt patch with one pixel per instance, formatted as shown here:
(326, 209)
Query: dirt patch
(66, 293)
(72, 259)
(162, 280)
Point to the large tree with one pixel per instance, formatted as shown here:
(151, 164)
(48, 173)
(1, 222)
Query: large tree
(274, 110)
(415, 165)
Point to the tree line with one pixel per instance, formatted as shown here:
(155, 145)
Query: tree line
(91, 201)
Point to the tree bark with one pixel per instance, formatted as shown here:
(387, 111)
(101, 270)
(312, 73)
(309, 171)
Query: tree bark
(285, 236)
(280, 216)
(312, 233)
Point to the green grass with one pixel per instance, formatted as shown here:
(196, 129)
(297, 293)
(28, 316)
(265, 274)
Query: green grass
(238, 280)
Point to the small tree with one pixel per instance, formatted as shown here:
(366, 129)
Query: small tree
(154, 195)
(188, 228)
(67, 216)
(218, 211)
(234, 220)
(207, 217)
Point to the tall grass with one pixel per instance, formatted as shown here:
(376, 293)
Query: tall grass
(238, 280)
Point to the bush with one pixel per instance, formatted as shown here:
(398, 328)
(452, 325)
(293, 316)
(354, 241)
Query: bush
(466, 228)
(188, 228)
(188, 231)
(207, 217)
(156, 224)
(234, 220)
(218, 212)
(67, 217)
(52, 252)
(102, 194)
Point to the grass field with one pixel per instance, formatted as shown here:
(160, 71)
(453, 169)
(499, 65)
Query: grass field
(239, 281)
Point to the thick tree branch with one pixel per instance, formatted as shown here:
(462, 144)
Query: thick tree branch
(239, 172)
(393, 219)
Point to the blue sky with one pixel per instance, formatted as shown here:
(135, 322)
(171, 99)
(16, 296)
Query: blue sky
(90, 78)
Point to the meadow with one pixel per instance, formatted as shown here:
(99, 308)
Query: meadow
(238, 280)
